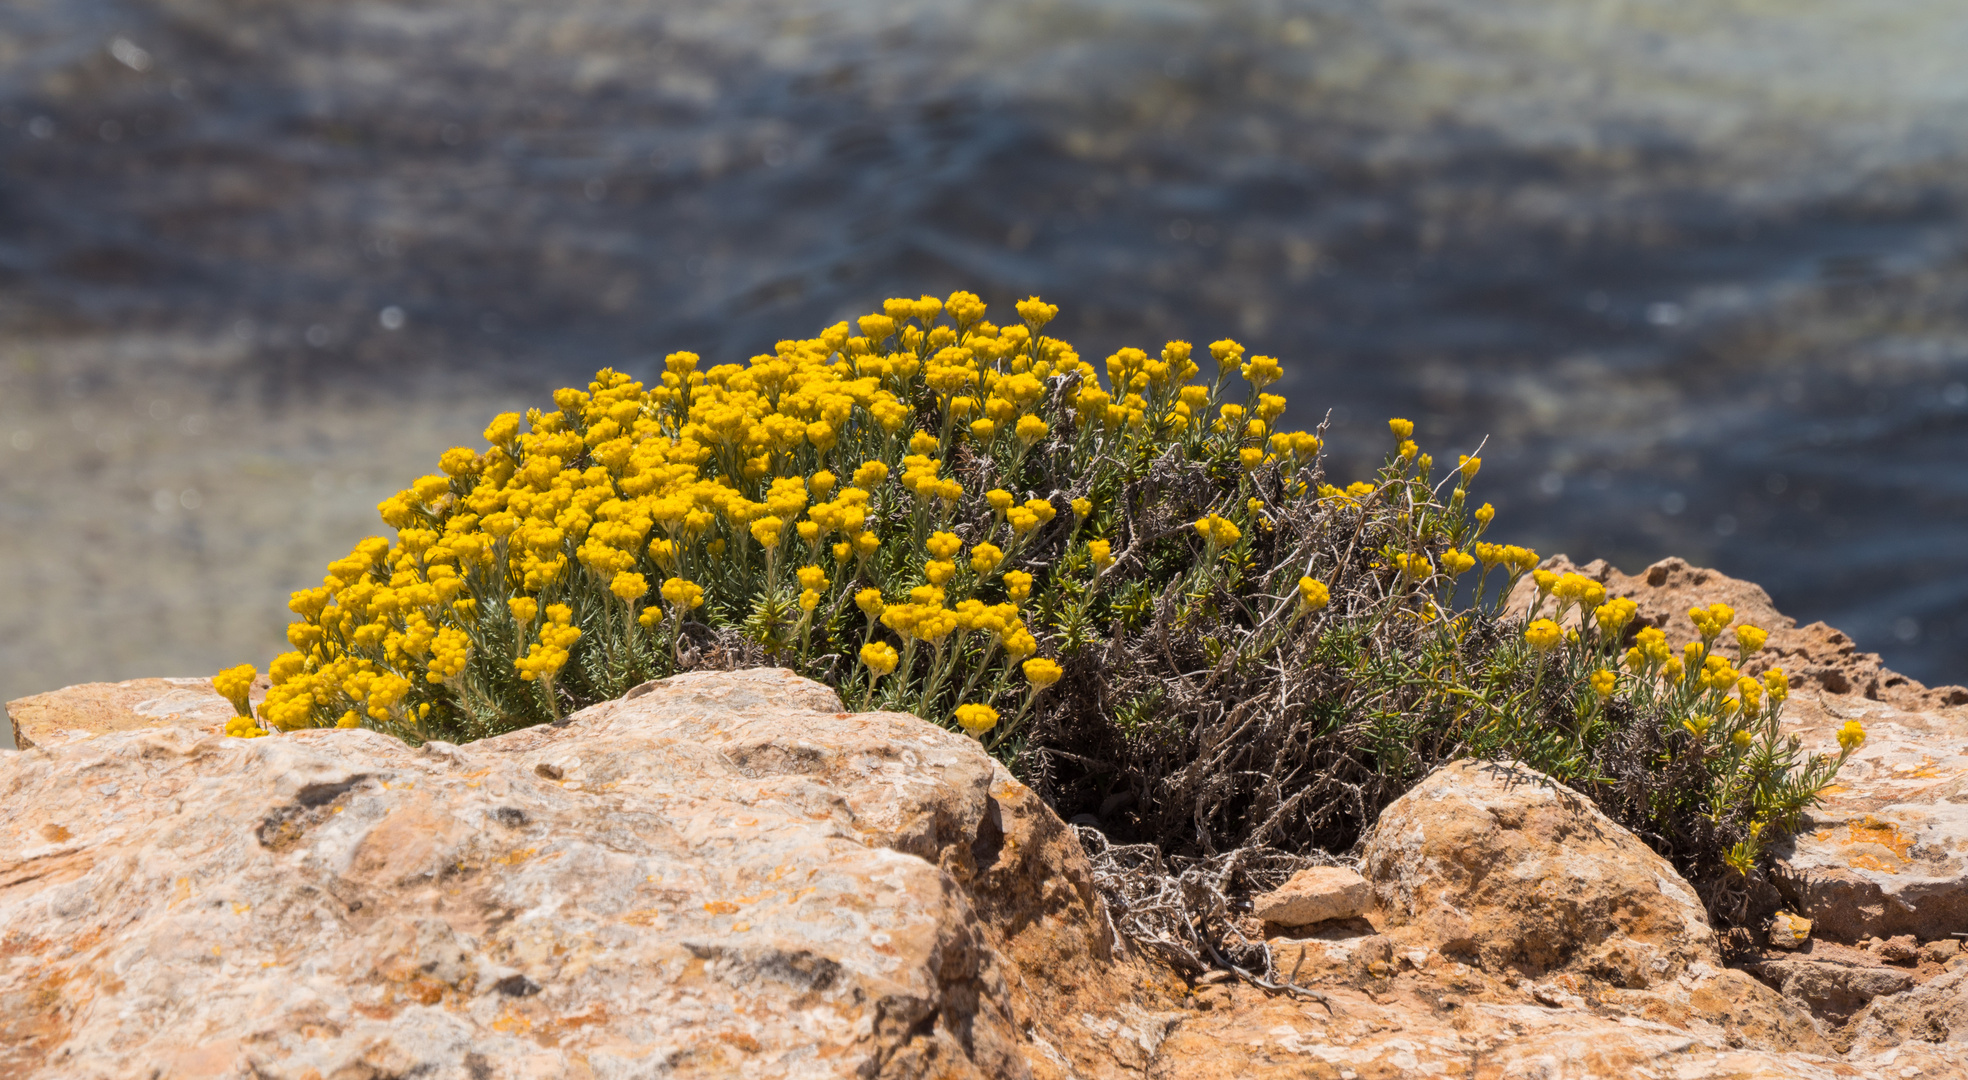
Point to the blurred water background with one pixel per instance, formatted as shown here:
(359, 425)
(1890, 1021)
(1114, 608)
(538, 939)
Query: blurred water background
(1699, 272)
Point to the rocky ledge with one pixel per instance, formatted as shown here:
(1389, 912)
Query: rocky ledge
(725, 874)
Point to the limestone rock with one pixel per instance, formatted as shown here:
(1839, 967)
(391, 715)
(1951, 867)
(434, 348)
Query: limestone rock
(1425, 1029)
(1833, 990)
(1886, 850)
(1314, 895)
(1896, 950)
(1512, 870)
(1789, 931)
(78, 712)
(725, 875)
(1933, 1012)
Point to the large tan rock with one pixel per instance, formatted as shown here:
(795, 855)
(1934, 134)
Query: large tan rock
(1934, 1012)
(724, 876)
(1499, 865)
(1886, 851)
(79, 712)
(1831, 990)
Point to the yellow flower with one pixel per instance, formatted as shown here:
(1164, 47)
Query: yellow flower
(1036, 312)
(766, 531)
(503, 429)
(870, 475)
(1082, 508)
(1749, 638)
(1741, 739)
(808, 600)
(1042, 673)
(1485, 514)
(629, 587)
(812, 577)
(1262, 371)
(233, 684)
(1030, 429)
(1414, 566)
(1543, 635)
(683, 595)
(1468, 466)
(999, 499)
(1851, 736)
(1217, 531)
(1603, 683)
(1312, 595)
(1709, 621)
(1226, 353)
(524, 608)
(1102, 554)
(977, 719)
(985, 557)
(943, 545)
(880, 657)
(1403, 430)
(1018, 585)
(1776, 684)
(1614, 614)
(938, 571)
(870, 602)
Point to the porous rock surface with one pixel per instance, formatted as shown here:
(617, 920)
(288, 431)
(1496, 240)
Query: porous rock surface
(79, 712)
(1506, 868)
(1886, 850)
(725, 876)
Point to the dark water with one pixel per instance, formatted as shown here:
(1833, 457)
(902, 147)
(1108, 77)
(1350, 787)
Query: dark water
(1697, 272)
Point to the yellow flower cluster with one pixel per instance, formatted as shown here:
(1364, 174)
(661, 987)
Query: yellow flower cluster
(1711, 620)
(839, 468)
(977, 719)
(1520, 560)
(1543, 635)
(1218, 531)
(1851, 736)
(1313, 595)
(1042, 673)
(233, 684)
(549, 652)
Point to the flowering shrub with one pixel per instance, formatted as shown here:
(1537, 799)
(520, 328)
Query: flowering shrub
(950, 517)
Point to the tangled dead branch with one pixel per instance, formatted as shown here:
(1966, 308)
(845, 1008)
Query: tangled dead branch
(1191, 912)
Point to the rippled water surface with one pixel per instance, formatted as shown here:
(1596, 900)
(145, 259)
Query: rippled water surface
(1697, 272)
